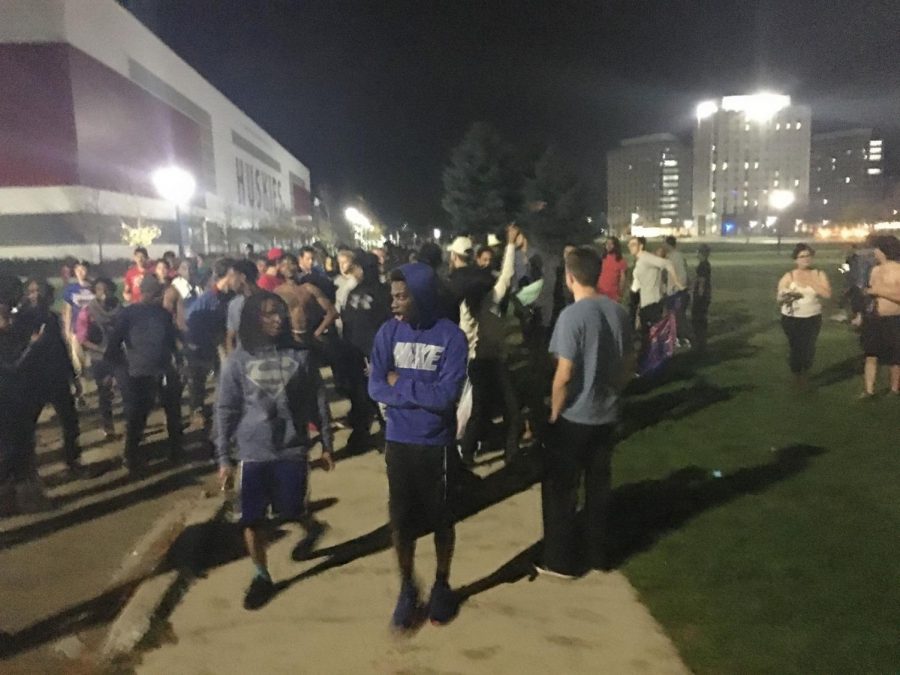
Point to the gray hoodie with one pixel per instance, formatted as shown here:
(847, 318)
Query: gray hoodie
(266, 401)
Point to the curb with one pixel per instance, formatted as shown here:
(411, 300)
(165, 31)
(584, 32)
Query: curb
(183, 545)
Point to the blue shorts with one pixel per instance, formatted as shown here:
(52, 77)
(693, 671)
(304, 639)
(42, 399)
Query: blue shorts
(279, 483)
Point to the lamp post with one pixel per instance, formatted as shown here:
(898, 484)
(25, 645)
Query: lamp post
(177, 186)
(780, 200)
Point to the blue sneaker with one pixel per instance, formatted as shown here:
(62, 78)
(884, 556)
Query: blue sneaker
(443, 605)
(409, 612)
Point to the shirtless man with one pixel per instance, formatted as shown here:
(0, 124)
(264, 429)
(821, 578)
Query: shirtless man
(881, 329)
(311, 312)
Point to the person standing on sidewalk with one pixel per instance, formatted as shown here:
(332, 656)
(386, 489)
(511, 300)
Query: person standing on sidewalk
(242, 277)
(488, 372)
(418, 368)
(269, 391)
(147, 368)
(95, 324)
(77, 295)
(55, 374)
(205, 332)
(592, 345)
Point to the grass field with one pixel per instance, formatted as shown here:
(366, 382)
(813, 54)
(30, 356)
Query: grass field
(788, 562)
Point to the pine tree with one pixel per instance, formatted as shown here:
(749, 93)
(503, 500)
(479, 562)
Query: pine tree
(564, 215)
(482, 185)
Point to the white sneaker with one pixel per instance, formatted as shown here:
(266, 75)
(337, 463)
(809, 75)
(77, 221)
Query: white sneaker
(546, 571)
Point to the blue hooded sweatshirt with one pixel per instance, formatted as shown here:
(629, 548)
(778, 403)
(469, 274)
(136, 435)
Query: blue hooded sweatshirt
(430, 359)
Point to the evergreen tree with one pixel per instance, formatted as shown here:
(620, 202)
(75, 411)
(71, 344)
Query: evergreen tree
(482, 185)
(564, 214)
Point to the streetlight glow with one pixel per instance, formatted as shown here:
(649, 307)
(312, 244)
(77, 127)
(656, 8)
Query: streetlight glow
(437, 233)
(781, 199)
(706, 109)
(356, 217)
(174, 184)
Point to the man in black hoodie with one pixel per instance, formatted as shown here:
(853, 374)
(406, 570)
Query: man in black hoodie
(367, 307)
(147, 367)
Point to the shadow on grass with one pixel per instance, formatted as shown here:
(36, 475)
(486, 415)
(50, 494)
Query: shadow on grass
(838, 372)
(641, 513)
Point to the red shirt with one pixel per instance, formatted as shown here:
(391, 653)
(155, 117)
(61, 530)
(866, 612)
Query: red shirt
(269, 282)
(133, 278)
(611, 276)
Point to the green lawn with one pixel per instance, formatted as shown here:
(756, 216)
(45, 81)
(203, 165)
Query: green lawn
(790, 561)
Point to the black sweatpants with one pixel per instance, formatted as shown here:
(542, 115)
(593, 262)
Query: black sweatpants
(491, 383)
(802, 333)
(576, 450)
(139, 394)
(63, 402)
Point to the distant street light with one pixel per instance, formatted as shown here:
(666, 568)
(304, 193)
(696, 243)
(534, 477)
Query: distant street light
(177, 186)
(437, 234)
(781, 199)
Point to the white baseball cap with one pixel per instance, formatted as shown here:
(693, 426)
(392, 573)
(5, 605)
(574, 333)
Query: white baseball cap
(461, 246)
(492, 240)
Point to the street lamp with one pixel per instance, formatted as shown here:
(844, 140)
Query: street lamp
(437, 234)
(780, 200)
(177, 186)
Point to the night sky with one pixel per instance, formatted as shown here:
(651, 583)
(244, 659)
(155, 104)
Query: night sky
(373, 95)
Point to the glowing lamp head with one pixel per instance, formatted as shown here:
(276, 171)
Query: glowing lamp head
(781, 199)
(706, 109)
(174, 184)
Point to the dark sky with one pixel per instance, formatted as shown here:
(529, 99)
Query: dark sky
(373, 95)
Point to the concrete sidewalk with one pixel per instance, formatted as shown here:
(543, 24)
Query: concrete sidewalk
(331, 615)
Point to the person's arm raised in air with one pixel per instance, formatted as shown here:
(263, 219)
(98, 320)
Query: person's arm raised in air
(507, 267)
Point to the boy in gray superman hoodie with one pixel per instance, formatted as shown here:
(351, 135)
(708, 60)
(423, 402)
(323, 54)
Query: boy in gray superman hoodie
(269, 391)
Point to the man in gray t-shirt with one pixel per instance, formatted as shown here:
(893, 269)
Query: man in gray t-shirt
(592, 344)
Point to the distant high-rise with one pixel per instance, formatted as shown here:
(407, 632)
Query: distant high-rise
(746, 148)
(846, 176)
(649, 181)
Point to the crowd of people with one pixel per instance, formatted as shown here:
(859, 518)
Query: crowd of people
(415, 340)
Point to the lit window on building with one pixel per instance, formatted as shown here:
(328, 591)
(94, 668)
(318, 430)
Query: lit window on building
(788, 126)
(746, 127)
(798, 125)
(846, 179)
(825, 201)
(873, 171)
(724, 166)
(778, 126)
(713, 166)
(755, 165)
(775, 183)
(746, 165)
(796, 182)
(818, 188)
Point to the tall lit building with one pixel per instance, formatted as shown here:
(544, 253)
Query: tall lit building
(745, 149)
(649, 182)
(846, 176)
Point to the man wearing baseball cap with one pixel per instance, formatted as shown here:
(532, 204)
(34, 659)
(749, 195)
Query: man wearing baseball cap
(271, 280)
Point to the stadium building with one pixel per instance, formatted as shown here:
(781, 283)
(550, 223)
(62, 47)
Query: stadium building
(93, 105)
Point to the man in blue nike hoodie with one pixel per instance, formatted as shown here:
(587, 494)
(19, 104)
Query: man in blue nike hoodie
(418, 368)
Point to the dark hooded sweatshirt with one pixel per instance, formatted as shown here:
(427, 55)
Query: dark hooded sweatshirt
(430, 359)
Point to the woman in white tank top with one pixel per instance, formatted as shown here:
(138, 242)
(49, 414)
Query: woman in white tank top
(799, 293)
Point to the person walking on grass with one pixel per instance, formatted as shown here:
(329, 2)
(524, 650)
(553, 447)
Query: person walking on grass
(269, 390)
(593, 349)
(702, 297)
(799, 293)
(881, 326)
(418, 368)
